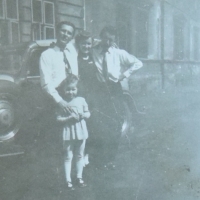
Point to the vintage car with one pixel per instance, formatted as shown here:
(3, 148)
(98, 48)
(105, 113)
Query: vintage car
(21, 96)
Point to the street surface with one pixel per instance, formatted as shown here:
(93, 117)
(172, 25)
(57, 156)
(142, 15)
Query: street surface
(160, 160)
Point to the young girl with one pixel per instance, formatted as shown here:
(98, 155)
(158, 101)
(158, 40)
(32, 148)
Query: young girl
(74, 128)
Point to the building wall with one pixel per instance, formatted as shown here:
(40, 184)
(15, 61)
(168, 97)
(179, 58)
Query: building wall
(25, 20)
(37, 18)
(155, 31)
(70, 10)
(173, 32)
(98, 14)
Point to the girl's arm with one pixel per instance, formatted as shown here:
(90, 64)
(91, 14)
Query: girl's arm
(85, 115)
(64, 119)
(86, 112)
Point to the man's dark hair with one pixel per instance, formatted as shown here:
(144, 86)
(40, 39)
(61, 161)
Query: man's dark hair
(108, 29)
(59, 25)
(83, 35)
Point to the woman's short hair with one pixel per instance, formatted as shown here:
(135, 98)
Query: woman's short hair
(59, 25)
(82, 35)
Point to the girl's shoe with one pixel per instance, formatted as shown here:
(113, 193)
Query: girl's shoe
(70, 186)
(80, 182)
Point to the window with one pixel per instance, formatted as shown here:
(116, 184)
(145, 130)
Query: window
(196, 43)
(122, 26)
(49, 32)
(37, 11)
(142, 33)
(4, 38)
(9, 22)
(12, 9)
(15, 32)
(36, 31)
(122, 35)
(178, 38)
(2, 9)
(48, 13)
(43, 20)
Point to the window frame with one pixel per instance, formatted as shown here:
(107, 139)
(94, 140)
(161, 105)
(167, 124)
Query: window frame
(43, 24)
(196, 51)
(6, 14)
(44, 20)
(11, 31)
(44, 31)
(4, 10)
(139, 53)
(178, 47)
(33, 9)
(40, 31)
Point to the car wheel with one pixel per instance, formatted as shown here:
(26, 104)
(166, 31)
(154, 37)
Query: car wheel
(9, 111)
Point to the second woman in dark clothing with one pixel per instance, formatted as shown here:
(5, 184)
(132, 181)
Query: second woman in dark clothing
(87, 69)
(103, 125)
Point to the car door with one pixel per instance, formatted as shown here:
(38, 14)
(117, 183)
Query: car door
(33, 97)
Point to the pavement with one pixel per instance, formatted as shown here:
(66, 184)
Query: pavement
(158, 161)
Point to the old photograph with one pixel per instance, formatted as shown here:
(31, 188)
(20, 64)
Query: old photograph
(99, 99)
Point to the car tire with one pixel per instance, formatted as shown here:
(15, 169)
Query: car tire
(9, 110)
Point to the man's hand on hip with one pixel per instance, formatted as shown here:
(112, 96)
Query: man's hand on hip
(121, 77)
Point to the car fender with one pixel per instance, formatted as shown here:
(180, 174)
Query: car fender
(5, 77)
(7, 85)
(9, 119)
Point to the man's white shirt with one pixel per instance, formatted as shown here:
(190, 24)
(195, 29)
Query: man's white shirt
(53, 68)
(118, 62)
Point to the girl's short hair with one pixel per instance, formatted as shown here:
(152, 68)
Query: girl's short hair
(71, 78)
(82, 35)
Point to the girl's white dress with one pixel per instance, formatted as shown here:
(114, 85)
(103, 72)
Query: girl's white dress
(77, 130)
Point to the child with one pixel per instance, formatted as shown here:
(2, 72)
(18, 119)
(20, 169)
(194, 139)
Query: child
(74, 128)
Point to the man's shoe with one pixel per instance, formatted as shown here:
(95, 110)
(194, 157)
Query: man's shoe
(80, 183)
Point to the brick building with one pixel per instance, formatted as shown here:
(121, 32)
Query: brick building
(163, 33)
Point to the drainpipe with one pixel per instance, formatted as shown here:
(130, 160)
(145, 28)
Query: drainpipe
(84, 15)
(162, 38)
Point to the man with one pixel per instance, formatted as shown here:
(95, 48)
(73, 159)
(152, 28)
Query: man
(114, 65)
(57, 61)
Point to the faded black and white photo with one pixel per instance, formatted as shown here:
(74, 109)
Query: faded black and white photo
(99, 99)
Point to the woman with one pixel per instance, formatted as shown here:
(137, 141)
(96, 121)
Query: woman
(87, 69)
(103, 125)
